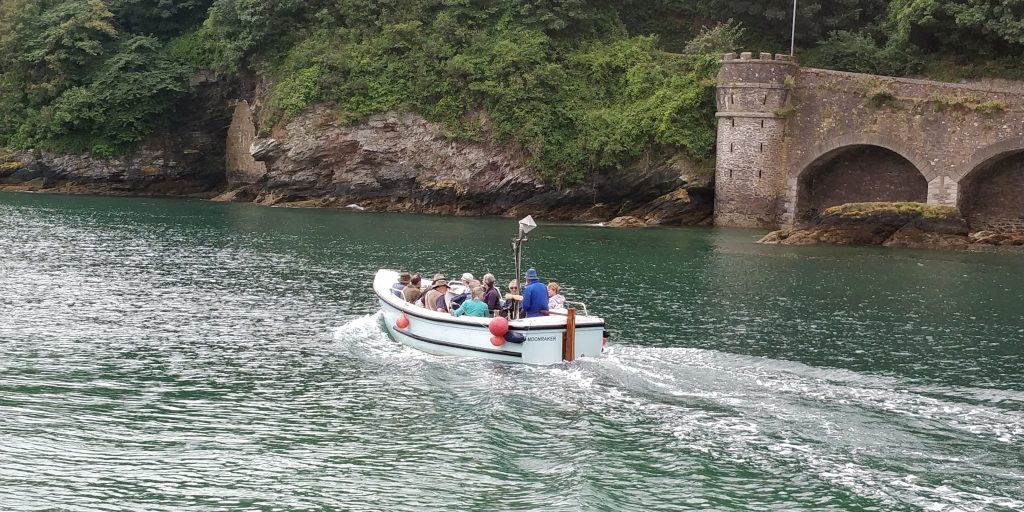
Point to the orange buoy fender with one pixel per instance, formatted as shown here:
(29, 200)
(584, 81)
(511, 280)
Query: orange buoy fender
(498, 326)
(402, 322)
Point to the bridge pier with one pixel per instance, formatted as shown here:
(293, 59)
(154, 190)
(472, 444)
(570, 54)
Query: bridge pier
(942, 190)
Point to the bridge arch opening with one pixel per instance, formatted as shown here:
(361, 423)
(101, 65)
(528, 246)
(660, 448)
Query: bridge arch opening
(991, 195)
(856, 174)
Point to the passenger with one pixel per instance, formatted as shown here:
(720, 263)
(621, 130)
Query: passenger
(435, 298)
(422, 302)
(403, 281)
(468, 283)
(413, 291)
(475, 306)
(555, 299)
(512, 307)
(492, 297)
(535, 295)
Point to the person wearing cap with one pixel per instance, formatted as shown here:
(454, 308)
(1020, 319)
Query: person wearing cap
(403, 280)
(435, 297)
(535, 295)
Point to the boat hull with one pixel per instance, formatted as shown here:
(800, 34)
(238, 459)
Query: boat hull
(442, 334)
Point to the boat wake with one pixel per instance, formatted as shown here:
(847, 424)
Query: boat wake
(879, 440)
(364, 338)
(874, 436)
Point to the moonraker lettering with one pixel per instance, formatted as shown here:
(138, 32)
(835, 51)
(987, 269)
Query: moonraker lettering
(542, 338)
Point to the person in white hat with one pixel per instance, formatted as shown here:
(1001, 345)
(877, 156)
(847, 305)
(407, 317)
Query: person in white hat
(469, 283)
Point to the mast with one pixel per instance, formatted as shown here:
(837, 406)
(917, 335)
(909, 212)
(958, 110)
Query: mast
(526, 224)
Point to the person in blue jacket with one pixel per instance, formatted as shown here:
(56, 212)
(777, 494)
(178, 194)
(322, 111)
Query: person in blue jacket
(535, 295)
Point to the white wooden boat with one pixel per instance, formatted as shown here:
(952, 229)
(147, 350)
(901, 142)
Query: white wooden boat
(545, 339)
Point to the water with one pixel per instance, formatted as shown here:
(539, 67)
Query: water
(186, 355)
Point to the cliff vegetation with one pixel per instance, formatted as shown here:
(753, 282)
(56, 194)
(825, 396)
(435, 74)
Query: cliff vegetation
(579, 85)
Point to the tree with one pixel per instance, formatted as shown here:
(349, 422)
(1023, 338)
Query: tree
(162, 18)
(62, 44)
(986, 27)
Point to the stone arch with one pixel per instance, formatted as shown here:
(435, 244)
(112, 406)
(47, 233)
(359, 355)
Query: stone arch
(991, 187)
(865, 139)
(858, 168)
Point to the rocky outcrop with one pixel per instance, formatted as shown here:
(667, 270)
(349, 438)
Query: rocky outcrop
(392, 161)
(401, 162)
(625, 221)
(185, 156)
(914, 225)
(1014, 238)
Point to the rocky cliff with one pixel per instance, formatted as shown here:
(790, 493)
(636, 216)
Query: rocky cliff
(398, 161)
(184, 157)
(393, 161)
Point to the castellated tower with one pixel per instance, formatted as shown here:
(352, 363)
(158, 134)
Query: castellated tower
(752, 96)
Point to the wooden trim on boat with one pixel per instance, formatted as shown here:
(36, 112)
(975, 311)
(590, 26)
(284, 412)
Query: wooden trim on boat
(456, 345)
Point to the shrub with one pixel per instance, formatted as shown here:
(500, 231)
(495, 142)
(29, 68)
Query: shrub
(878, 91)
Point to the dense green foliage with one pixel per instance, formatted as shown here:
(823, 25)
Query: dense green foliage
(578, 84)
(596, 99)
(73, 79)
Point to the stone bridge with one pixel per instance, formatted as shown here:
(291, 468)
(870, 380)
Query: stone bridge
(793, 141)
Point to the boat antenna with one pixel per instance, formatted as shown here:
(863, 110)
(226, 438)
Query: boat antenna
(526, 224)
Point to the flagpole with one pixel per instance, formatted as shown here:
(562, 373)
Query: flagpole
(792, 35)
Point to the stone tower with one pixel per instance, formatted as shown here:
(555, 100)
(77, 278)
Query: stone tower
(753, 97)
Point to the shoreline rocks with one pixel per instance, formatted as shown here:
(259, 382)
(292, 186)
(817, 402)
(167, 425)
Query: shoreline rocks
(909, 225)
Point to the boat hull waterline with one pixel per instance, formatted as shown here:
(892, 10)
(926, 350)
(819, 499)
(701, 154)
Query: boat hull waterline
(440, 333)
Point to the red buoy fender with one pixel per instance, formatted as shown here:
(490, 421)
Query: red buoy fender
(402, 322)
(497, 341)
(498, 326)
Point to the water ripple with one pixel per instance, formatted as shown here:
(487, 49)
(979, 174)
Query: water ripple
(163, 355)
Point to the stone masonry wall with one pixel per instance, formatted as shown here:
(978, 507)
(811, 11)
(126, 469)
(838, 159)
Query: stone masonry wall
(857, 175)
(949, 133)
(749, 172)
(995, 200)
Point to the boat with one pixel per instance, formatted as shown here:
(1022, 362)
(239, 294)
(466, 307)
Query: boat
(562, 335)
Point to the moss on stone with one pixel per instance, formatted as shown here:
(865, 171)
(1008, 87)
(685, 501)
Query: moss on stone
(878, 91)
(442, 184)
(11, 166)
(680, 195)
(973, 103)
(862, 210)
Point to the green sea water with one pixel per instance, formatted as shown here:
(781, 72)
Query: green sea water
(187, 355)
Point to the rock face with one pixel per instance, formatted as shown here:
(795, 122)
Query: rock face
(401, 162)
(913, 225)
(625, 221)
(1014, 238)
(184, 157)
(394, 161)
